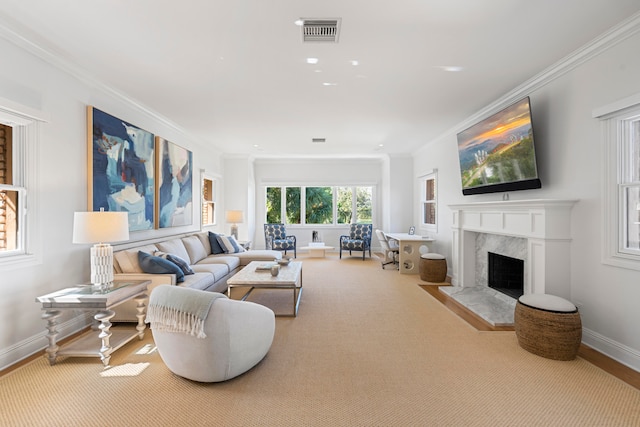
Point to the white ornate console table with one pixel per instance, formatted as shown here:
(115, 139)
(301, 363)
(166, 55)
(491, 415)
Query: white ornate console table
(91, 298)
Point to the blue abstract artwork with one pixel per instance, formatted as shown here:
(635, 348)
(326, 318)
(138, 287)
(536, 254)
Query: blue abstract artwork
(175, 195)
(122, 168)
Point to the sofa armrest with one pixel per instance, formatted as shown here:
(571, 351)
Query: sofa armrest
(127, 311)
(156, 279)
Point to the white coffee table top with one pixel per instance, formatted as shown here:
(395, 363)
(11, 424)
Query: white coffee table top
(289, 275)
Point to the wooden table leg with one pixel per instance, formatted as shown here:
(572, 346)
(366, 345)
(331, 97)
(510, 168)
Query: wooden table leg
(103, 317)
(141, 308)
(51, 316)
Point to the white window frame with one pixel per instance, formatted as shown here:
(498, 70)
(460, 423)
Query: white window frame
(303, 206)
(213, 201)
(616, 121)
(25, 123)
(431, 175)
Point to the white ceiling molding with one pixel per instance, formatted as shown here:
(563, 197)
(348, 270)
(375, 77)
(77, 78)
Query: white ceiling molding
(600, 44)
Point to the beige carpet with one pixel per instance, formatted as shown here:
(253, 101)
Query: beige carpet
(368, 348)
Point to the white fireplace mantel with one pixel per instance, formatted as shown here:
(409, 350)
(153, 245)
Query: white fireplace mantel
(546, 224)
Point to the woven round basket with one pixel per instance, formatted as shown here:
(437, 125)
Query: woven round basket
(550, 334)
(433, 270)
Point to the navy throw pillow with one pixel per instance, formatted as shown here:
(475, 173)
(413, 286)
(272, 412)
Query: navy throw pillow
(184, 265)
(216, 249)
(156, 265)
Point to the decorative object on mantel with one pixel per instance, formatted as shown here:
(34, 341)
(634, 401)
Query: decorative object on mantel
(234, 218)
(315, 236)
(121, 159)
(100, 228)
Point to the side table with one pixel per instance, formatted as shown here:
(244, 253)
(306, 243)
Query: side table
(100, 300)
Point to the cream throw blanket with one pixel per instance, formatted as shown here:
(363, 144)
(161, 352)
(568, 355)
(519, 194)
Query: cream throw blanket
(176, 309)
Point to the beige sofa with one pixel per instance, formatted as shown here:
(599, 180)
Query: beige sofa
(211, 271)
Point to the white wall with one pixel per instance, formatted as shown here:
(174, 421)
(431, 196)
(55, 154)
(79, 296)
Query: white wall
(569, 148)
(62, 189)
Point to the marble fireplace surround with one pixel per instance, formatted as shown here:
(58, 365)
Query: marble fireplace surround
(543, 228)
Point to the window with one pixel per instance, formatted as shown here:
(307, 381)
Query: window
(18, 173)
(428, 202)
(621, 192)
(208, 201)
(319, 205)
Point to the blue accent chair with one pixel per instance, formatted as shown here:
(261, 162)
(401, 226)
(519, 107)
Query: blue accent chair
(275, 237)
(359, 239)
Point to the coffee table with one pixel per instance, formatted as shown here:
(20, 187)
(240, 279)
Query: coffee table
(290, 277)
(100, 300)
(317, 251)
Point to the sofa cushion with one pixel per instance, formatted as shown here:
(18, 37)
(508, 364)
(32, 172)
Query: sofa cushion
(258, 255)
(204, 239)
(194, 247)
(175, 247)
(219, 271)
(157, 265)
(229, 244)
(126, 261)
(232, 262)
(215, 246)
(198, 280)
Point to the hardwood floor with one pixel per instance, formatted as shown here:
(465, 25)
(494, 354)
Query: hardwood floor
(603, 362)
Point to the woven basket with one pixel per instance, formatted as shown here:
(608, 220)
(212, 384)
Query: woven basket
(433, 270)
(550, 334)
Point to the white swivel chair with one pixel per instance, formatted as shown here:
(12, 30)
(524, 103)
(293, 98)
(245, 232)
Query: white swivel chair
(220, 339)
(390, 251)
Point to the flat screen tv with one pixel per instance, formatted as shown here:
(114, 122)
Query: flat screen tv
(498, 154)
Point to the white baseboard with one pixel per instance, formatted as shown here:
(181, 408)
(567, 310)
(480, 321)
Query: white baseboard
(39, 342)
(613, 349)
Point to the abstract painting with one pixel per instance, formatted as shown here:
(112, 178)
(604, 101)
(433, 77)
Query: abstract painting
(175, 195)
(121, 168)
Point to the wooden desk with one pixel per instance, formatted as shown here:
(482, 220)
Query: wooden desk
(411, 247)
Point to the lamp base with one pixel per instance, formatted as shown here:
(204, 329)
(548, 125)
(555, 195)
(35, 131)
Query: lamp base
(101, 264)
(234, 231)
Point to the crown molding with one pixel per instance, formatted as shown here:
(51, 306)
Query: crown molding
(27, 40)
(600, 44)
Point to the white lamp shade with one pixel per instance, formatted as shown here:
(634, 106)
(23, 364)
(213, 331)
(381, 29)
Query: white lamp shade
(100, 227)
(234, 217)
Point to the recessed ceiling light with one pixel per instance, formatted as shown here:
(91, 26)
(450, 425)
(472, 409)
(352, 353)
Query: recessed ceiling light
(317, 71)
(354, 62)
(312, 60)
(380, 145)
(450, 68)
(299, 22)
(329, 84)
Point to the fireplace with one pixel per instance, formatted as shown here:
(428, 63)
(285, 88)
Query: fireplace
(506, 274)
(544, 226)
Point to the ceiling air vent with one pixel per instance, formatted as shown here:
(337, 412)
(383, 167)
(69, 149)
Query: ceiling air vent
(318, 140)
(320, 30)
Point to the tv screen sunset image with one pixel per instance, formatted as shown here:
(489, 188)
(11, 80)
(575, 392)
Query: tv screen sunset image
(499, 149)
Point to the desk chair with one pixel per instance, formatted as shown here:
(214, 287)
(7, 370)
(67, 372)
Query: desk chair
(390, 250)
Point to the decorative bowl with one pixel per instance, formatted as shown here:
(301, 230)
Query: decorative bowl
(284, 261)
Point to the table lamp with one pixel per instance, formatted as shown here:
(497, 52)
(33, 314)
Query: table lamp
(234, 217)
(101, 228)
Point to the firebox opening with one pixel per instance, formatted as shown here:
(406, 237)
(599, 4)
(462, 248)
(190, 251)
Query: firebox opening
(506, 275)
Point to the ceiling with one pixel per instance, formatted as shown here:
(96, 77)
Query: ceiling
(235, 74)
